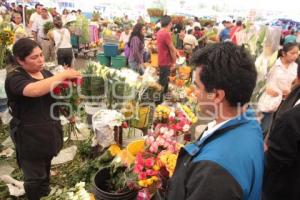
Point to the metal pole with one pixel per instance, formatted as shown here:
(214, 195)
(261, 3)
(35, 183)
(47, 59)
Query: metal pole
(24, 21)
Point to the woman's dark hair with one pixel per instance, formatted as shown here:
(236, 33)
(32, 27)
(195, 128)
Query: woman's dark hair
(165, 21)
(228, 67)
(137, 31)
(286, 48)
(177, 28)
(24, 47)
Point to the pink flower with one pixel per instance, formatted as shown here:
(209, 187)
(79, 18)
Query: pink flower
(160, 140)
(150, 172)
(171, 119)
(144, 194)
(138, 168)
(153, 148)
(149, 162)
(171, 148)
(167, 144)
(150, 140)
(142, 175)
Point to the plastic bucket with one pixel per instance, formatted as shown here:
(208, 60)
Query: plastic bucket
(154, 19)
(103, 60)
(110, 49)
(118, 62)
(100, 187)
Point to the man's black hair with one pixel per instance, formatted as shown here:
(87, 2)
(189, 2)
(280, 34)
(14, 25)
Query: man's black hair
(165, 21)
(227, 67)
(38, 4)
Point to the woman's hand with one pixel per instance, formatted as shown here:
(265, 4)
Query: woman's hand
(70, 73)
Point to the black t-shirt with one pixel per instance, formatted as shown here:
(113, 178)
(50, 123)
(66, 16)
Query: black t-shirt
(29, 109)
(38, 135)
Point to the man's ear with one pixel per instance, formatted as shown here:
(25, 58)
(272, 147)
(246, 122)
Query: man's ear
(219, 96)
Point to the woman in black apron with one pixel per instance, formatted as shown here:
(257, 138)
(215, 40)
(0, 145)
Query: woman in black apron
(35, 127)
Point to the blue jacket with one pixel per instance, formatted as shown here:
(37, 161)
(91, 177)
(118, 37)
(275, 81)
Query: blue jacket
(229, 166)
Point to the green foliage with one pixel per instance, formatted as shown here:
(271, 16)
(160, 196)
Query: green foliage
(48, 26)
(120, 175)
(82, 25)
(96, 16)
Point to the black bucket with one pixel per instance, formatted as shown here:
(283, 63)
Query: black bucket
(99, 188)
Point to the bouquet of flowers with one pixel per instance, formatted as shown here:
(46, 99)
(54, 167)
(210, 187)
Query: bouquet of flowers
(67, 96)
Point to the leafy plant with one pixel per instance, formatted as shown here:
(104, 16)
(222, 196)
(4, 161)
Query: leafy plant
(47, 27)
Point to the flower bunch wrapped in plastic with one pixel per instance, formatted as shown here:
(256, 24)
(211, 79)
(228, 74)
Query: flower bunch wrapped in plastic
(147, 168)
(68, 100)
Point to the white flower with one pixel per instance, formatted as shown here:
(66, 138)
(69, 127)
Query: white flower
(172, 114)
(70, 195)
(80, 185)
(163, 129)
(170, 133)
(117, 159)
(186, 128)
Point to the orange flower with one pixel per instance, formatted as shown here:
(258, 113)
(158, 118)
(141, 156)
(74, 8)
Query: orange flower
(179, 82)
(185, 70)
(172, 78)
(189, 90)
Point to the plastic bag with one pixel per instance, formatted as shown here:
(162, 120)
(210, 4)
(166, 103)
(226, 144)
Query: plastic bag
(105, 136)
(103, 123)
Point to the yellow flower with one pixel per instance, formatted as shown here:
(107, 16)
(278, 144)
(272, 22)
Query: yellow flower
(114, 149)
(154, 178)
(156, 167)
(149, 181)
(141, 183)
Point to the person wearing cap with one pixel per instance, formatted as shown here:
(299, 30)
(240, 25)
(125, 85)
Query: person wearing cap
(40, 36)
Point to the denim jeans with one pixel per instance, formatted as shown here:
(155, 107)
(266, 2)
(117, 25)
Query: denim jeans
(134, 66)
(164, 73)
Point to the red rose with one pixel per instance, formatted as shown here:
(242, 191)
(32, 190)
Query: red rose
(65, 84)
(124, 125)
(79, 81)
(57, 91)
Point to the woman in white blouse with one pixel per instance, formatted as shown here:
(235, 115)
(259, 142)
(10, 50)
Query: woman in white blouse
(62, 40)
(279, 82)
